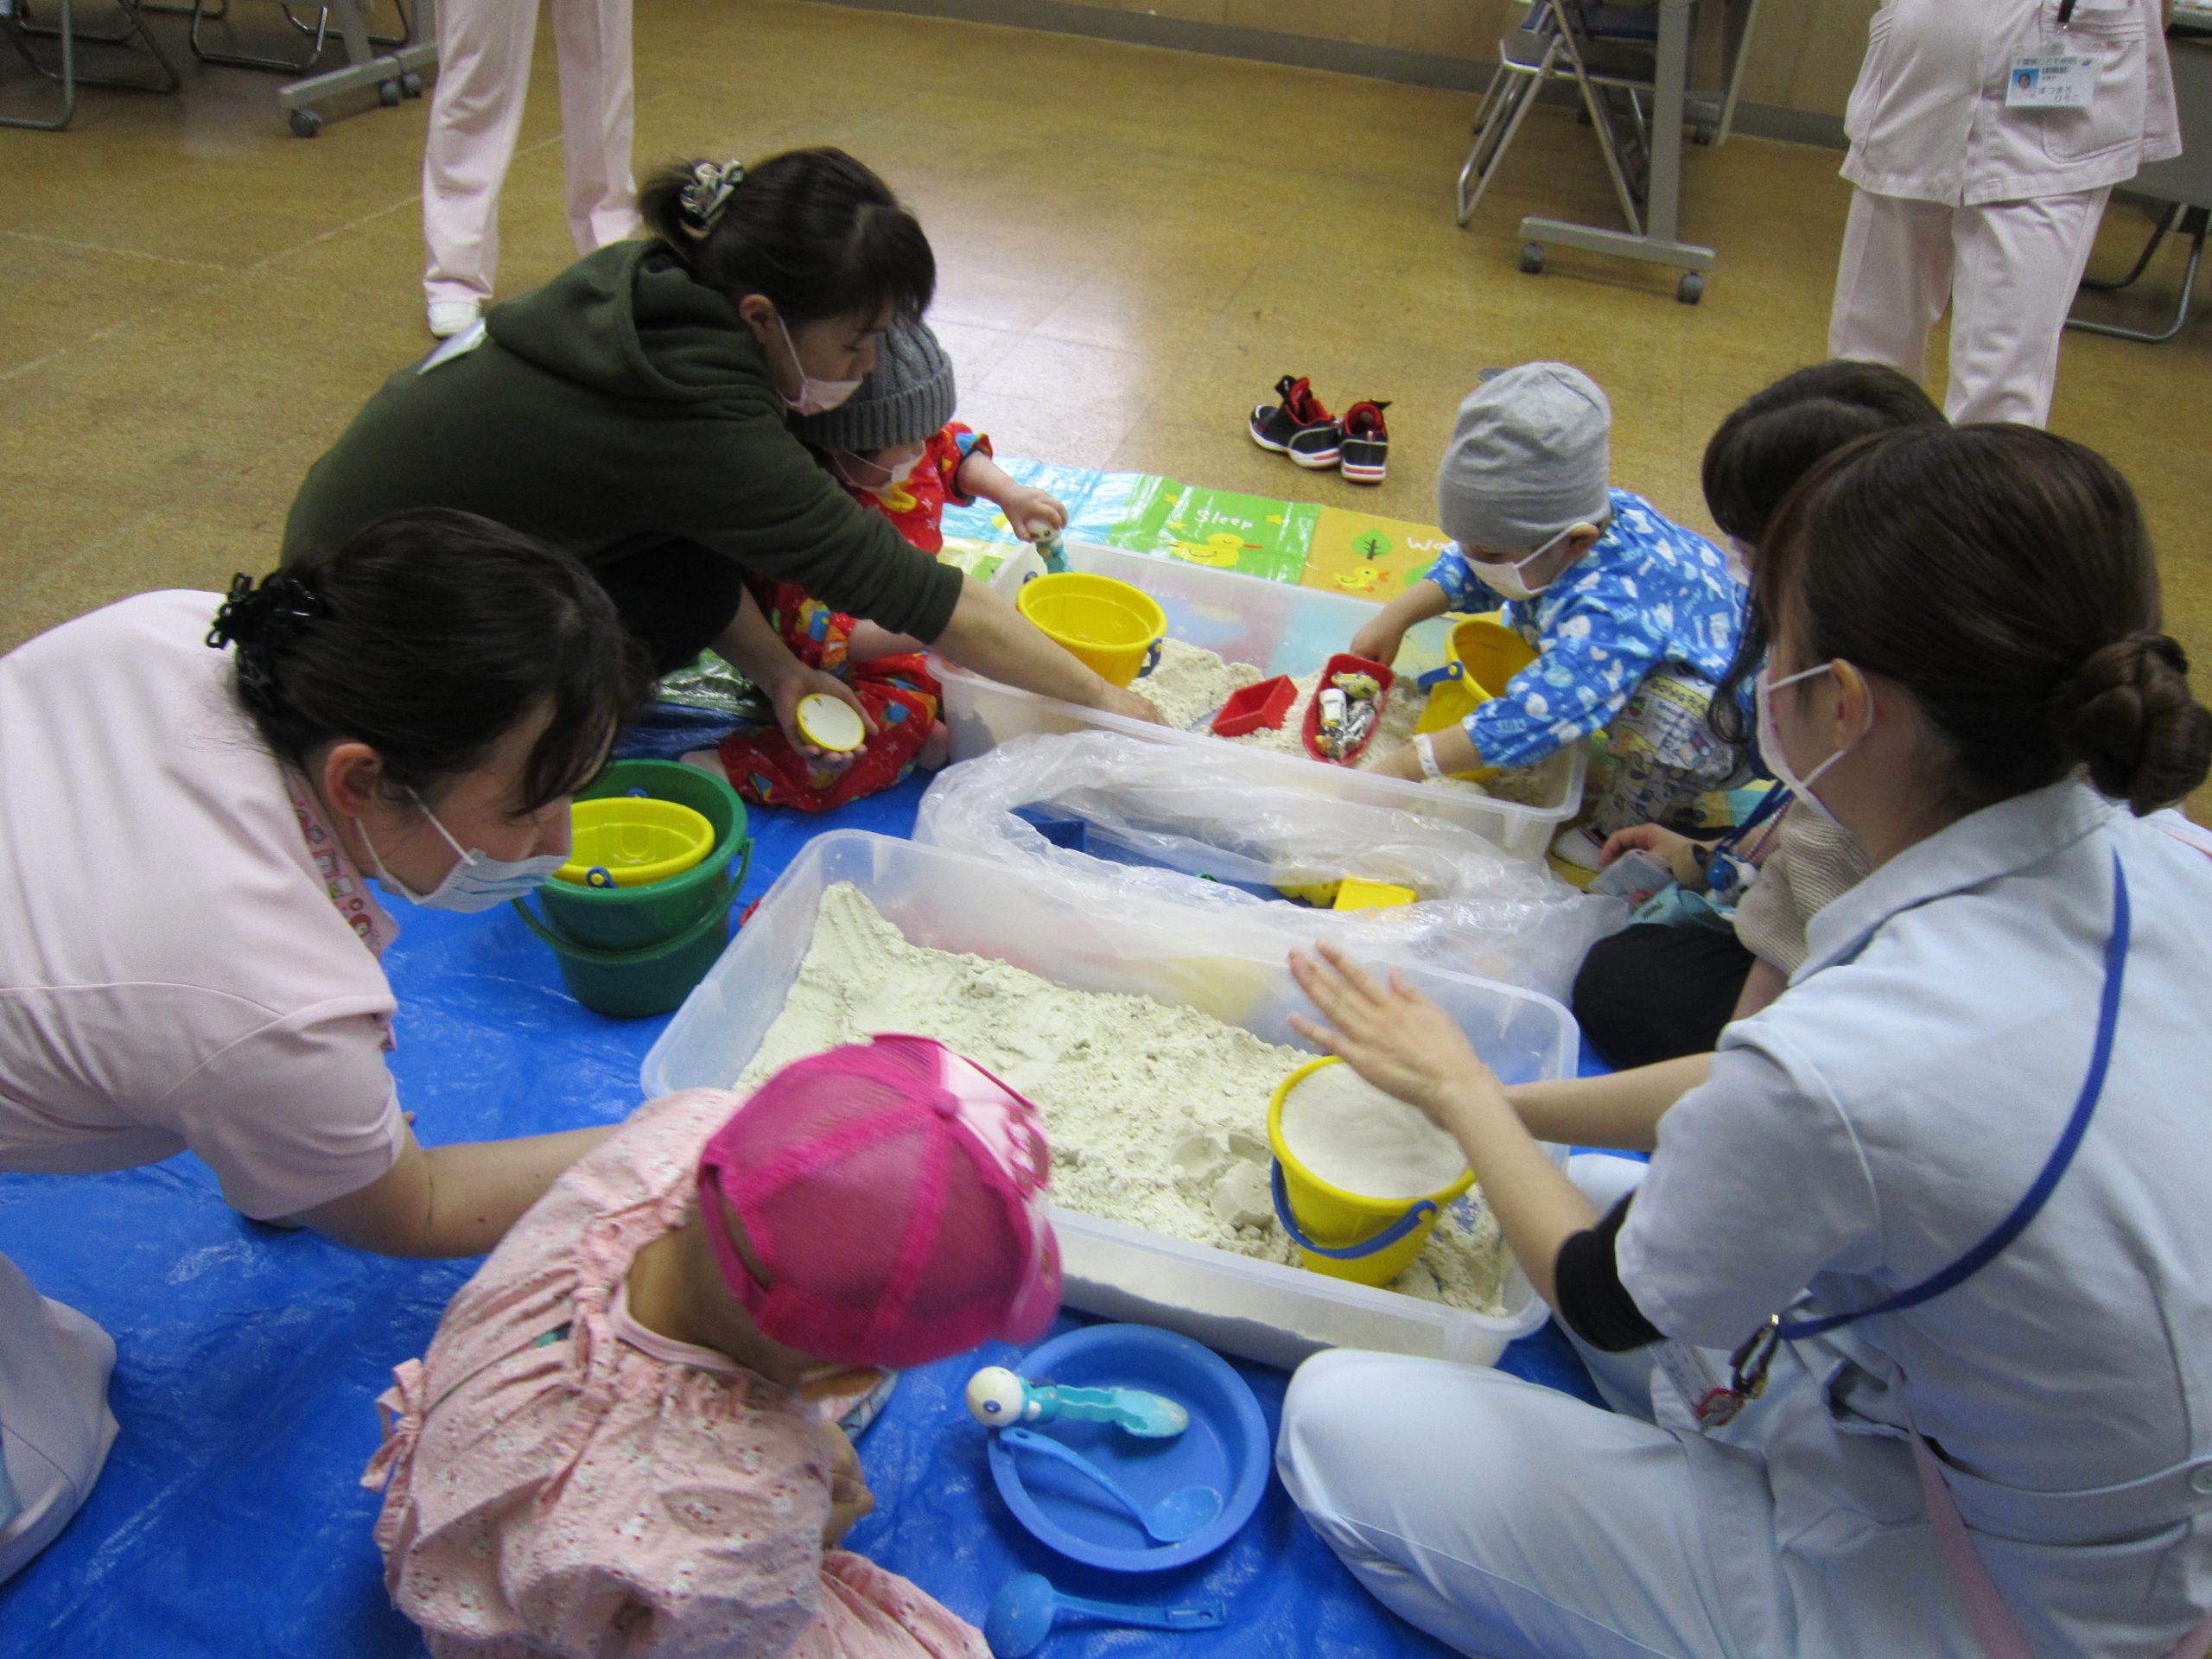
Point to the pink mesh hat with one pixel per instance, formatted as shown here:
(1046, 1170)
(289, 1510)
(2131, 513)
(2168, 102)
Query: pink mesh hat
(894, 1194)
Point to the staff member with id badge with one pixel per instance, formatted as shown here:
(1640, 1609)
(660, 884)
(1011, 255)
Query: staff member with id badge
(1907, 1324)
(1985, 136)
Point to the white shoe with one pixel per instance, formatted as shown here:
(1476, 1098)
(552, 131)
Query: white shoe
(1577, 846)
(451, 317)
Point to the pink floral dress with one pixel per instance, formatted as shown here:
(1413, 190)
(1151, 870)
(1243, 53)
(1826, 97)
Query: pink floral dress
(559, 1480)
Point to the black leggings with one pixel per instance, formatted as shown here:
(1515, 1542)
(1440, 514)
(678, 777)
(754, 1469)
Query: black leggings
(674, 596)
(1655, 992)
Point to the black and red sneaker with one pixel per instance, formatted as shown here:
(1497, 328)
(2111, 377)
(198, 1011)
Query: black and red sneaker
(1298, 427)
(1366, 443)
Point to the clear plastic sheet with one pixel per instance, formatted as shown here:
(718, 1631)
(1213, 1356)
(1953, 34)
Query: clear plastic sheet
(1206, 836)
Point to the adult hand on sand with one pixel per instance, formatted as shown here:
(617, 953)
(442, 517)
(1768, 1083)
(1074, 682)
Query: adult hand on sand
(1129, 706)
(1389, 1033)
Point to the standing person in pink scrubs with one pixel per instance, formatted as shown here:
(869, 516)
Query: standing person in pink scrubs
(189, 951)
(483, 48)
(1985, 136)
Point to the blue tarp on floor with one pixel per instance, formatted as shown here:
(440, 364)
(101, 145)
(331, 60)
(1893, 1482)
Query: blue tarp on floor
(229, 1521)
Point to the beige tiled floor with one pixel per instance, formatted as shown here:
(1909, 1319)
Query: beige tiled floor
(1134, 245)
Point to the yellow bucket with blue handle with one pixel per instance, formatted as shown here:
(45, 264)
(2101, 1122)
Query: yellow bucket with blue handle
(1486, 654)
(630, 840)
(1343, 1234)
(1113, 627)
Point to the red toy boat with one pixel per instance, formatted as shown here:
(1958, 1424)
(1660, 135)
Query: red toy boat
(1344, 663)
(1250, 708)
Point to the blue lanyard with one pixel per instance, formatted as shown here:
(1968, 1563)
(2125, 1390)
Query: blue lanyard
(2061, 1155)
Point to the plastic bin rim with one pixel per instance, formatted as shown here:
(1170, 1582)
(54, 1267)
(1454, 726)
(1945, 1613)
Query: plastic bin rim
(648, 1075)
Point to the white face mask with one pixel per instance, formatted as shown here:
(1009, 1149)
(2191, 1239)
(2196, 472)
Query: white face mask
(814, 396)
(1770, 741)
(1504, 580)
(477, 883)
(1739, 562)
(856, 471)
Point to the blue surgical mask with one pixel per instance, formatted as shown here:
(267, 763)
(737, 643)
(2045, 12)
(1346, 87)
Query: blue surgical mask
(478, 882)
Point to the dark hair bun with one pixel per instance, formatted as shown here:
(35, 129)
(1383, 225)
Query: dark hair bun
(2128, 716)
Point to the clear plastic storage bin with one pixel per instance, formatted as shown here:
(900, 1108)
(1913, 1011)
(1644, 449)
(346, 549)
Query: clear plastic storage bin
(1280, 629)
(950, 902)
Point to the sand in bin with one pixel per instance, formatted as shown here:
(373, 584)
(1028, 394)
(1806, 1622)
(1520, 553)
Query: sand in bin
(1191, 684)
(1343, 1129)
(1157, 1112)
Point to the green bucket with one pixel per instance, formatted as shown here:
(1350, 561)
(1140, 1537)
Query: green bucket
(630, 951)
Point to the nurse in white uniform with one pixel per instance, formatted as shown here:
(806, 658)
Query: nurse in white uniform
(1985, 136)
(189, 949)
(1977, 1117)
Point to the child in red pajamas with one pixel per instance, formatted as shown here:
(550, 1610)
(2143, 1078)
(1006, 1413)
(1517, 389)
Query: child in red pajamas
(897, 449)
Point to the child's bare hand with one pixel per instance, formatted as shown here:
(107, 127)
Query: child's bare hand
(1034, 513)
(851, 1501)
(1401, 762)
(1378, 641)
(1389, 1033)
(1674, 851)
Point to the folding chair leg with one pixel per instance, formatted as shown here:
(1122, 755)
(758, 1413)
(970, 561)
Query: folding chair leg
(2192, 222)
(20, 30)
(1488, 153)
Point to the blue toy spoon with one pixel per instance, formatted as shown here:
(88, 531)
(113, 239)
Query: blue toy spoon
(1180, 1514)
(1023, 1613)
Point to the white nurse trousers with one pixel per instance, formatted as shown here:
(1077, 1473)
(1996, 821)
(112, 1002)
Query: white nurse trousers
(2007, 269)
(484, 50)
(55, 1427)
(1501, 1517)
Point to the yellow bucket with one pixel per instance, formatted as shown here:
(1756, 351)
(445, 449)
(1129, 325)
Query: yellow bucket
(1484, 655)
(1343, 1234)
(628, 840)
(1113, 627)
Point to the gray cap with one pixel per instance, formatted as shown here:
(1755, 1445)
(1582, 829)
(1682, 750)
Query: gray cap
(1529, 456)
(907, 397)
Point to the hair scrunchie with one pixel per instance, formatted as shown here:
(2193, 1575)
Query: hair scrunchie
(703, 200)
(261, 621)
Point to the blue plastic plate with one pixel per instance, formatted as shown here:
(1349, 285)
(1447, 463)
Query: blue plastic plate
(1225, 1448)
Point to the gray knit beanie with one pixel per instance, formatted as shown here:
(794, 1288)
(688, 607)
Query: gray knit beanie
(1531, 455)
(907, 398)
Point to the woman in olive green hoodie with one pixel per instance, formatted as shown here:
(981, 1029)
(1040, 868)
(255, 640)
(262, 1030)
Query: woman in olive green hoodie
(633, 410)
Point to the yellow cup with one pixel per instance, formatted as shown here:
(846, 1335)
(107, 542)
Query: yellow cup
(1111, 626)
(1343, 1234)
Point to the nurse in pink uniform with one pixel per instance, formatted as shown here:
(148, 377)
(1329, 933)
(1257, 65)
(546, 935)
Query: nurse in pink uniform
(188, 946)
(1985, 136)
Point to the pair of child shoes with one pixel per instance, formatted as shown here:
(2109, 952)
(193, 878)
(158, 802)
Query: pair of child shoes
(1356, 442)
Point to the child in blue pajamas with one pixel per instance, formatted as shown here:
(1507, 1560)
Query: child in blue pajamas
(1634, 617)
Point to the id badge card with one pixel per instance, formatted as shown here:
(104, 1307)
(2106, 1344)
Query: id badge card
(1634, 876)
(2051, 80)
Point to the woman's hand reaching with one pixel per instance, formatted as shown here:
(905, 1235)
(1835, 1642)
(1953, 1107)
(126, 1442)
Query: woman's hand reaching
(800, 682)
(1389, 1033)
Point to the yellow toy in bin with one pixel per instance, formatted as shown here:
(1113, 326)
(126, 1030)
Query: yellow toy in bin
(628, 840)
(1486, 654)
(1343, 1234)
(1357, 893)
(1112, 626)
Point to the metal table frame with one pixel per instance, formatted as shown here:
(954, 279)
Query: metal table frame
(1658, 240)
(394, 74)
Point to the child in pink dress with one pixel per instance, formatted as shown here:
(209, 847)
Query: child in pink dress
(622, 1441)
